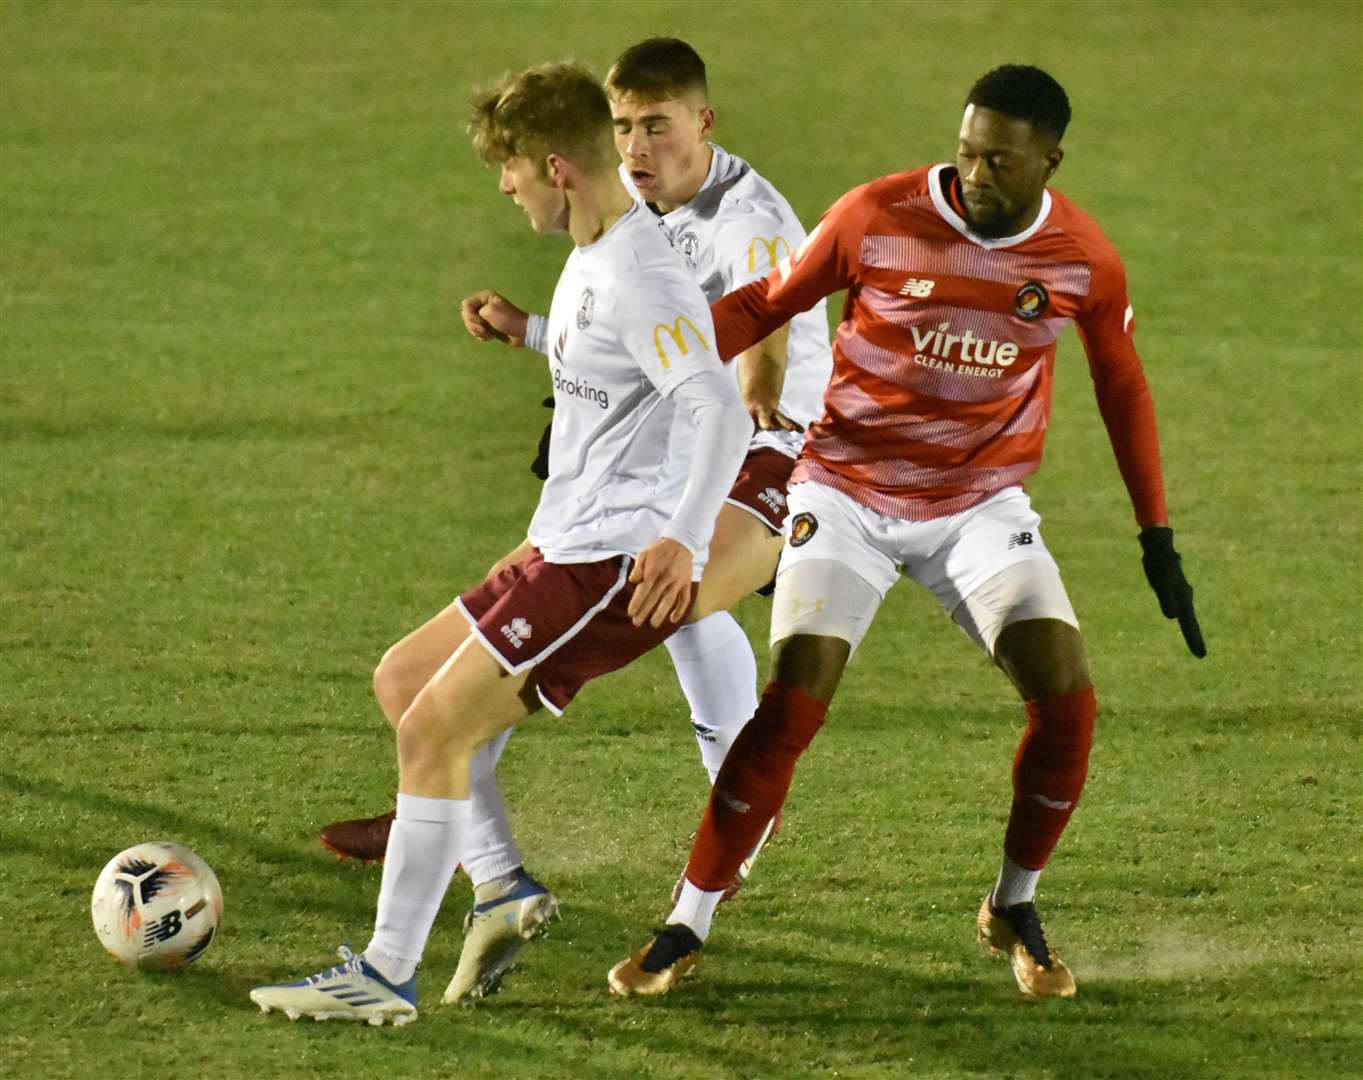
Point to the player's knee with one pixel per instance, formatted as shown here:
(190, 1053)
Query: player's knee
(811, 664)
(1045, 658)
(391, 689)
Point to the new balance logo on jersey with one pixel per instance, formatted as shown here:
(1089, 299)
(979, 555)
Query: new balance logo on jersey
(1019, 539)
(938, 344)
(918, 288)
(583, 391)
(517, 631)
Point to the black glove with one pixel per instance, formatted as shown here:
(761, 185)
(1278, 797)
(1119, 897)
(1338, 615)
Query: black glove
(540, 466)
(1164, 571)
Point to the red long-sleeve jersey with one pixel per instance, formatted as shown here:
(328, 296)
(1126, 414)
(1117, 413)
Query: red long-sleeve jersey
(942, 366)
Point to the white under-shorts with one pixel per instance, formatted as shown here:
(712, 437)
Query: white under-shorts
(988, 566)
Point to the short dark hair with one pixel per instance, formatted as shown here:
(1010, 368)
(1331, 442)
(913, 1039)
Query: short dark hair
(1025, 93)
(657, 69)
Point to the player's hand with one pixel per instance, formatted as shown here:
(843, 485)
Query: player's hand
(1164, 571)
(767, 417)
(662, 584)
(489, 316)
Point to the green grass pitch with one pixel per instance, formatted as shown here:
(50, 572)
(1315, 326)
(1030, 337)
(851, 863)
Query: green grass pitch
(244, 445)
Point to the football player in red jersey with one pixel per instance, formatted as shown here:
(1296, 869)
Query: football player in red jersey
(959, 278)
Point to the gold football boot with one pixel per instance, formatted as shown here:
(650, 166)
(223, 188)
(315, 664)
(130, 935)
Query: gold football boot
(673, 954)
(1016, 930)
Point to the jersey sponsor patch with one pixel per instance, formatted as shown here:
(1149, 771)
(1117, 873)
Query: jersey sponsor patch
(1031, 301)
(802, 529)
(767, 252)
(677, 335)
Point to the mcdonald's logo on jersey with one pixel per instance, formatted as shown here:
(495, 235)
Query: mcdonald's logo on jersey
(677, 332)
(769, 246)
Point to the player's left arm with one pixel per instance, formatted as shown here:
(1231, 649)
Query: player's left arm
(1106, 324)
(670, 335)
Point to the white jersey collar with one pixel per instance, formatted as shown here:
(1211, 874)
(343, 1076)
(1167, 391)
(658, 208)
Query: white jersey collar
(711, 179)
(949, 215)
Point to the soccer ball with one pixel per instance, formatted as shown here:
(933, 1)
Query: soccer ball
(156, 906)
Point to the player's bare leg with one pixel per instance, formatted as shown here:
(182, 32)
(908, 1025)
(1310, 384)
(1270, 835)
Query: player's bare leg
(1046, 660)
(469, 701)
(402, 673)
(467, 704)
(743, 558)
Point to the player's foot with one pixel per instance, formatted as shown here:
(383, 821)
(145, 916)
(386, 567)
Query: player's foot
(495, 932)
(352, 990)
(365, 839)
(673, 954)
(744, 868)
(1016, 930)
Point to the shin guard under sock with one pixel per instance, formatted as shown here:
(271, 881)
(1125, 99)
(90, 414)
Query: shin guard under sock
(1048, 775)
(753, 783)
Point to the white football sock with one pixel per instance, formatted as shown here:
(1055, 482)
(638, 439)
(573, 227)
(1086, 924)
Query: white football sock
(718, 674)
(421, 857)
(489, 850)
(695, 909)
(1016, 884)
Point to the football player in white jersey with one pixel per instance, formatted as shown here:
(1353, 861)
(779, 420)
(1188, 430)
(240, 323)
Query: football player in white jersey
(732, 227)
(631, 354)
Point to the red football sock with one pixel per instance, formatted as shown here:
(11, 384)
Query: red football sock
(1048, 775)
(752, 784)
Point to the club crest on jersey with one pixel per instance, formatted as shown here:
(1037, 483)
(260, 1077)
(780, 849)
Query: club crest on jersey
(802, 529)
(1031, 301)
(585, 307)
(688, 243)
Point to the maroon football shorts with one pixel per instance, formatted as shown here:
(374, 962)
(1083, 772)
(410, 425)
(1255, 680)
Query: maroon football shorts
(761, 486)
(567, 621)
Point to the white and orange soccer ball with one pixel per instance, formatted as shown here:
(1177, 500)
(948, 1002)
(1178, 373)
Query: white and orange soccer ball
(156, 906)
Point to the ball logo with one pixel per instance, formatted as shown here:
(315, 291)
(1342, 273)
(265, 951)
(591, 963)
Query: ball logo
(802, 529)
(585, 307)
(1031, 301)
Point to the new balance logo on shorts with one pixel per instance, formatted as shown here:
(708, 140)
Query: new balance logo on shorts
(517, 631)
(1018, 539)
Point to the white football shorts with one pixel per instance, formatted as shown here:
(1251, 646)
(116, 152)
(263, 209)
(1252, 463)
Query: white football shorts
(988, 566)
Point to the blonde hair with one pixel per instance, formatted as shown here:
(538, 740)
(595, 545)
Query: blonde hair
(549, 109)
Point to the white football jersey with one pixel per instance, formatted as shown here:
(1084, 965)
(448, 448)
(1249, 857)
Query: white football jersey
(733, 231)
(627, 325)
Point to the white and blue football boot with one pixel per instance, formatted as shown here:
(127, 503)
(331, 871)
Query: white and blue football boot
(352, 990)
(495, 932)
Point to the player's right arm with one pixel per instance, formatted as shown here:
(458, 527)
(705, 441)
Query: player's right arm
(826, 261)
(489, 316)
